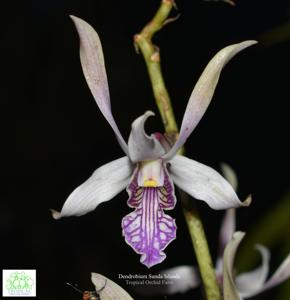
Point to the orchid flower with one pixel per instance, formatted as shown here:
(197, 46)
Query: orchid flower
(242, 286)
(151, 165)
(247, 285)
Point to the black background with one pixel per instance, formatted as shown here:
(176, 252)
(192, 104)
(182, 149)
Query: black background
(53, 135)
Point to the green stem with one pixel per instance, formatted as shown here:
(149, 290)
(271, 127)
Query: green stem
(203, 256)
(151, 55)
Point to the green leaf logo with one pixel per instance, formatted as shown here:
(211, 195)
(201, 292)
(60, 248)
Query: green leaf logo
(19, 281)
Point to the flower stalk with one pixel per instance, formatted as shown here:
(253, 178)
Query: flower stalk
(203, 256)
(151, 55)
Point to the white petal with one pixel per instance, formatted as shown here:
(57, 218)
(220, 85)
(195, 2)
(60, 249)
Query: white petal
(141, 146)
(282, 273)
(219, 268)
(108, 289)
(228, 227)
(92, 60)
(203, 92)
(249, 283)
(186, 278)
(105, 183)
(181, 278)
(229, 288)
(203, 183)
(230, 175)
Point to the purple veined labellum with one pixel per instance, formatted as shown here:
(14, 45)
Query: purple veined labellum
(88, 295)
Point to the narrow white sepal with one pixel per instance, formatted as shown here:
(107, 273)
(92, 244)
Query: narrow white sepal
(229, 286)
(228, 224)
(203, 92)
(282, 274)
(93, 65)
(228, 227)
(249, 283)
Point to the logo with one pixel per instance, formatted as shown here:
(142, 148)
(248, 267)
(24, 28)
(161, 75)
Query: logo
(19, 283)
